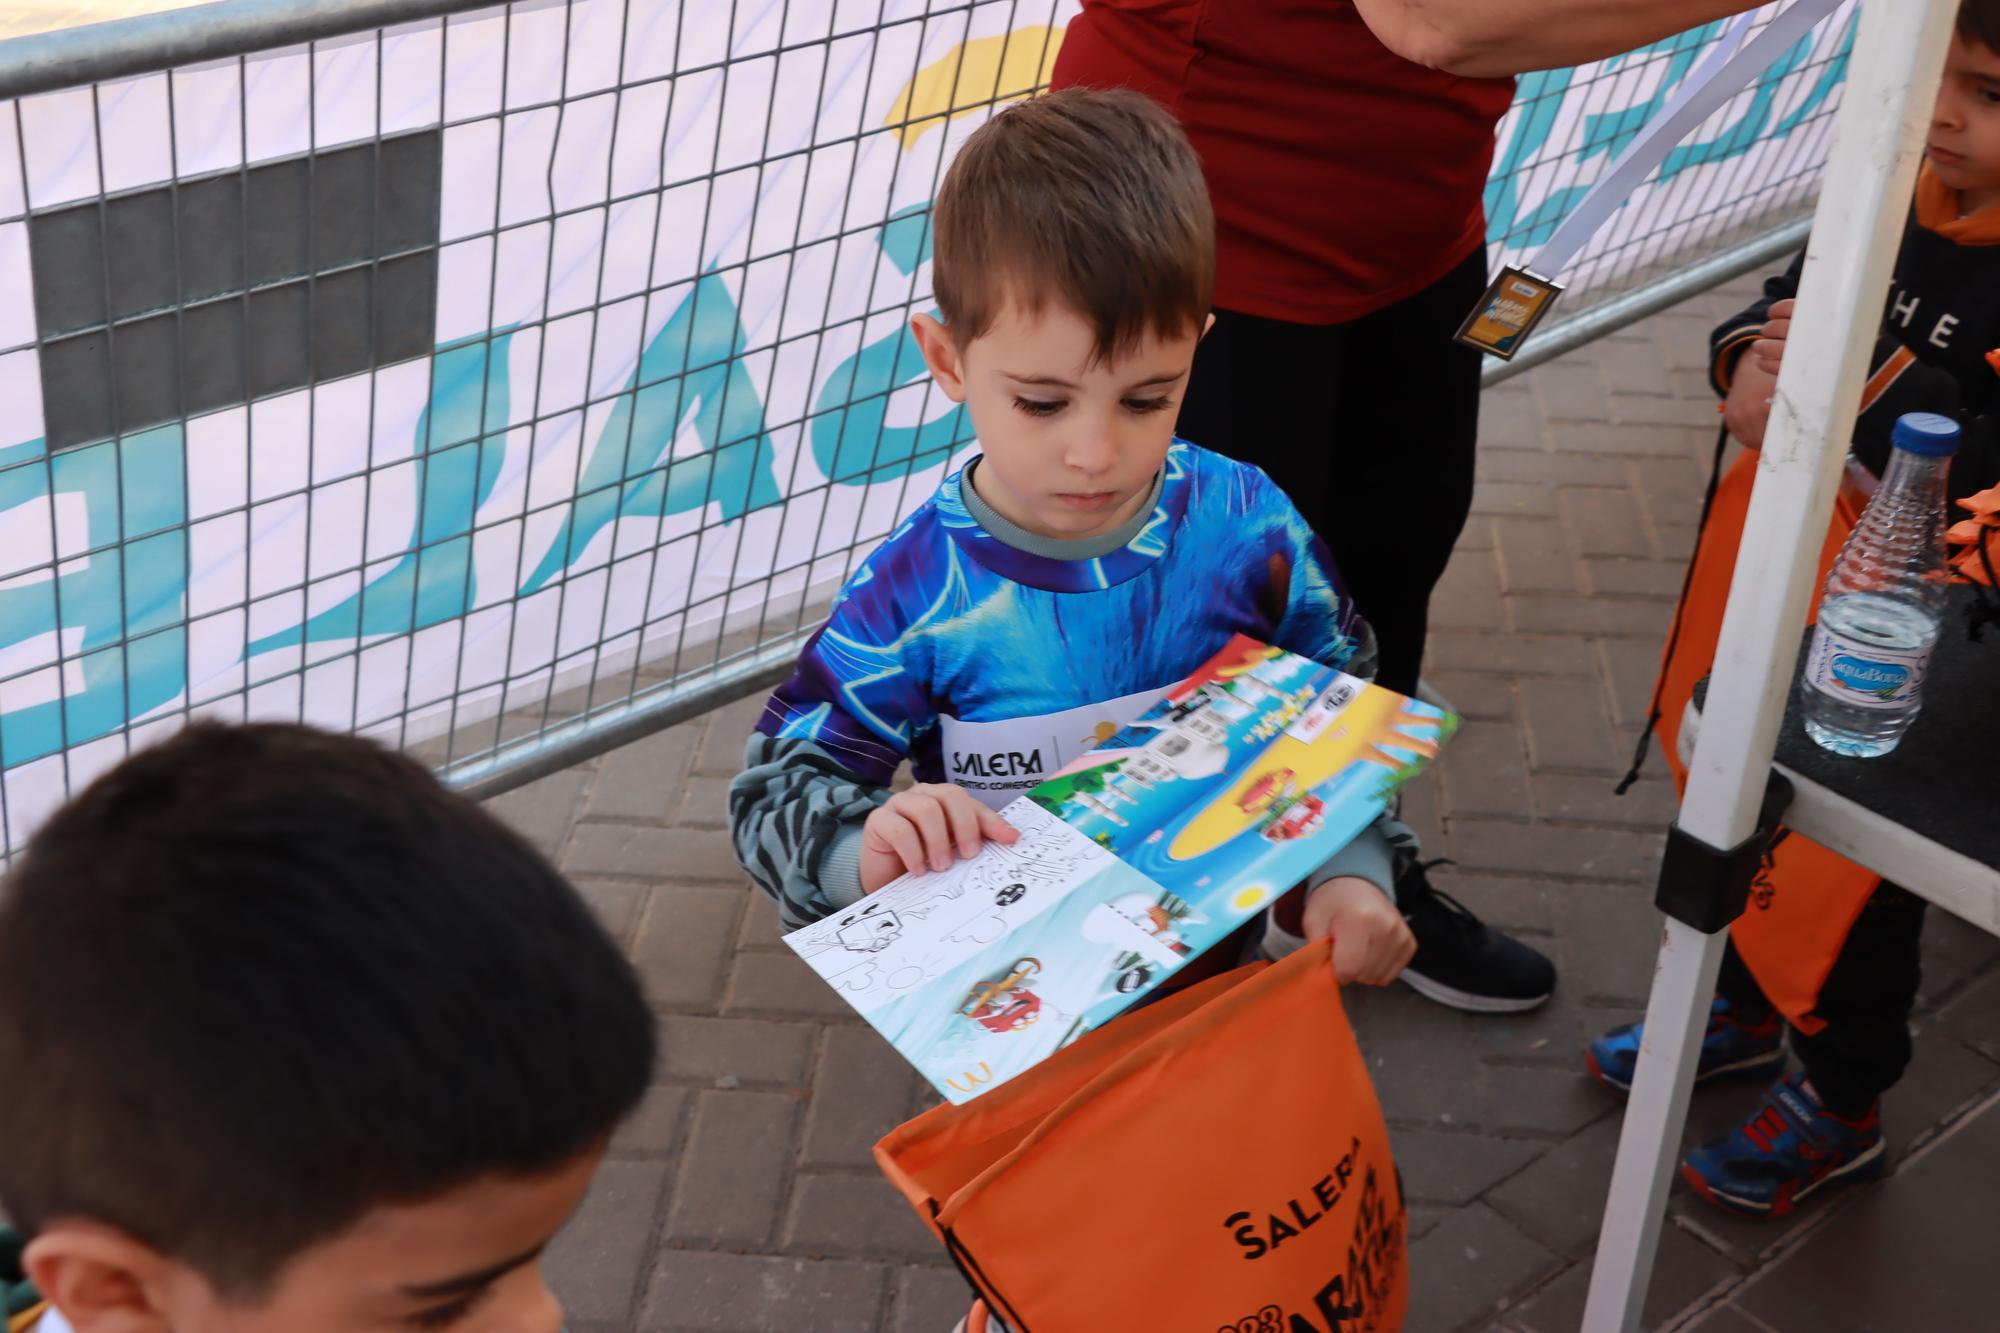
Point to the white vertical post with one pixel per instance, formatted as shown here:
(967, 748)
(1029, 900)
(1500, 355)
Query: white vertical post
(1884, 111)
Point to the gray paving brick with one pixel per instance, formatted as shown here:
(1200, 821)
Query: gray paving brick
(778, 983)
(721, 752)
(744, 1293)
(1647, 437)
(1534, 555)
(594, 1265)
(1555, 849)
(732, 1051)
(1468, 597)
(1974, 1016)
(649, 851)
(1570, 728)
(761, 928)
(1511, 497)
(1455, 1169)
(542, 811)
(1474, 1264)
(1548, 613)
(618, 903)
(732, 1176)
(1510, 417)
(1511, 654)
(682, 951)
(1552, 469)
(929, 1300)
(1475, 696)
(856, 1216)
(1631, 666)
(1615, 934)
(654, 1130)
(1633, 366)
(1649, 804)
(1685, 1272)
(1572, 390)
(1630, 576)
(1511, 903)
(1605, 522)
(1943, 1078)
(861, 1093)
(1559, 1198)
(1485, 771)
(641, 780)
(704, 803)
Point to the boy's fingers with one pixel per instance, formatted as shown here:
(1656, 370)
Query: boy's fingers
(1350, 955)
(962, 811)
(927, 814)
(901, 835)
(994, 827)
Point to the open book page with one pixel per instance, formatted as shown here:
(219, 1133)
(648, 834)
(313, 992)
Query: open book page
(1196, 816)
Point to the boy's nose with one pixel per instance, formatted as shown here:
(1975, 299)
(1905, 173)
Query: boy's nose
(1091, 454)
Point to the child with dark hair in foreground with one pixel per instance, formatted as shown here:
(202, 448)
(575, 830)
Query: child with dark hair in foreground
(294, 1040)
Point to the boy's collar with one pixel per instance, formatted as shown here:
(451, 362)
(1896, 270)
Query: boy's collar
(1074, 574)
(1938, 211)
(1003, 529)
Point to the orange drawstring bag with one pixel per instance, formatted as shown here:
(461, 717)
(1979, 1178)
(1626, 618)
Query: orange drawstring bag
(1216, 1160)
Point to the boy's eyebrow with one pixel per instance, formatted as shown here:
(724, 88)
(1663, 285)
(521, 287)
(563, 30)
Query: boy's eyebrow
(1056, 382)
(464, 1282)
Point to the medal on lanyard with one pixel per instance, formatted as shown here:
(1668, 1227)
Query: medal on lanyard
(1522, 295)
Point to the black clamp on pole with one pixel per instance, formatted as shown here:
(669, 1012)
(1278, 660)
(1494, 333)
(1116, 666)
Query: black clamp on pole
(1706, 887)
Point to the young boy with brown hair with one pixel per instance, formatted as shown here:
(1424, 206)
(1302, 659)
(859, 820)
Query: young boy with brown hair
(1083, 563)
(294, 1040)
(1828, 952)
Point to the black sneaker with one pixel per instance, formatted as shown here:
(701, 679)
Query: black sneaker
(1463, 962)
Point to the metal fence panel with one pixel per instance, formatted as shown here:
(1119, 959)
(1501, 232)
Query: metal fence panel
(506, 381)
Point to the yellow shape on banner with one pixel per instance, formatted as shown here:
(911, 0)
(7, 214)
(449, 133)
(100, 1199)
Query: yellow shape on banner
(1356, 736)
(971, 76)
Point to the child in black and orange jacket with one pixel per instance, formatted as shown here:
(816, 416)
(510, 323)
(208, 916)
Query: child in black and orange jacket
(1828, 950)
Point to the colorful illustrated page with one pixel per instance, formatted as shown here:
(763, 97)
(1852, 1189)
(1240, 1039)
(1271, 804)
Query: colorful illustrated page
(1182, 826)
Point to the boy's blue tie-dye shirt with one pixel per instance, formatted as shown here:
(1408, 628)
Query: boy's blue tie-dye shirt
(989, 665)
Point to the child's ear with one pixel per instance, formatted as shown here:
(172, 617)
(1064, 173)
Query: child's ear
(941, 355)
(102, 1280)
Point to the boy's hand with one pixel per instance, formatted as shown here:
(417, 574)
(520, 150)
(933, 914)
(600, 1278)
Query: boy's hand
(1371, 941)
(1769, 350)
(925, 828)
(1747, 409)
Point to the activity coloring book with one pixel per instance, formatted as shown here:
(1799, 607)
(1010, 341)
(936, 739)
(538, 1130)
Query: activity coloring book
(1218, 798)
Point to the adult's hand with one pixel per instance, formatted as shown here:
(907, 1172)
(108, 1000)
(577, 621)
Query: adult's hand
(1492, 38)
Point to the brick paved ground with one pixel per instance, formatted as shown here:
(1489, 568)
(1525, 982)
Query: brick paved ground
(743, 1197)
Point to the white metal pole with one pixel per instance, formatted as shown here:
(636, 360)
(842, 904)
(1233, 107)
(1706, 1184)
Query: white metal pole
(1864, 199)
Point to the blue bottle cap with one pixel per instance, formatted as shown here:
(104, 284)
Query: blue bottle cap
(1927, 434)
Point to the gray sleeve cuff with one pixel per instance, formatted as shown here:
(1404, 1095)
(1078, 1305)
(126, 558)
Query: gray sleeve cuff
(1368, 857)
(840, 869)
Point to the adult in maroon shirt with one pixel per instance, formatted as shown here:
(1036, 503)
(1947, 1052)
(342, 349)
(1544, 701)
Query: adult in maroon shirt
(1347, 144)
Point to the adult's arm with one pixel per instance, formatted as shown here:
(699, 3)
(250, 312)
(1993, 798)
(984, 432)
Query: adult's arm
(1489, 38)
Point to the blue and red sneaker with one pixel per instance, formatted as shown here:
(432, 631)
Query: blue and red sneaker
(1730, 1048)
(1790, 1147)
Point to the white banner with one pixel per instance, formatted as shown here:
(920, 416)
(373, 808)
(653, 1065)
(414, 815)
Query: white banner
(673, 389)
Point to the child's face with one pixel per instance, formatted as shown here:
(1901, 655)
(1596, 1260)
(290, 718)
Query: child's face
(1964, 142)
(1070, 446)
(465, 1262)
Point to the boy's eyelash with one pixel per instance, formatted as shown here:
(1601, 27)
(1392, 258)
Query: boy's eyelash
(444, 1316)
(1039, 407)
(1148, 404)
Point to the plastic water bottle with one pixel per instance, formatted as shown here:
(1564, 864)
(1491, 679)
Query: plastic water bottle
(1884, 602)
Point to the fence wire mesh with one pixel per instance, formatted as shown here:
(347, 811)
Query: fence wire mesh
(504, 383)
